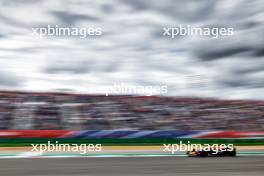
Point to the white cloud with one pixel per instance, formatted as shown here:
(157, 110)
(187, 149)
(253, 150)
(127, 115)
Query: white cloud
(132, 49)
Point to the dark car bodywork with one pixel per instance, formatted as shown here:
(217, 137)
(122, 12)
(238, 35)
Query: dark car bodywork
(211, 153)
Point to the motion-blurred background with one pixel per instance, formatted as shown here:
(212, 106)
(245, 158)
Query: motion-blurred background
(51, 87)
(132, 50)
(50, 111)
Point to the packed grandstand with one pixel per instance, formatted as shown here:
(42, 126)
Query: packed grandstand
(21, 110)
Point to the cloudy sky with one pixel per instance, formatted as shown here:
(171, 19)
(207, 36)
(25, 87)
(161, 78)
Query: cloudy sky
(132, 49)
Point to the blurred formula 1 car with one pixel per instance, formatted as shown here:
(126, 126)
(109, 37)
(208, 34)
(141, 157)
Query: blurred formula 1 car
(212, 153)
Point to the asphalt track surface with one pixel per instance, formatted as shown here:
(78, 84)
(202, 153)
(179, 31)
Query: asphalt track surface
(136, 166)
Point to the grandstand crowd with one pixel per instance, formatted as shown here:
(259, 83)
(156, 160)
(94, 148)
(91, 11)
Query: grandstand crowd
(21, 110)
